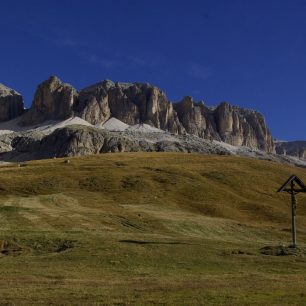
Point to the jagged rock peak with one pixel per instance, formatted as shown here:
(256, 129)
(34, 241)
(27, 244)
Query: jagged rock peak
(187, 101)
(225, 122)
(132, 103)
(53, 100)
(135, 103)
(11, 103)
(124, 85)
(239, 126)
(107, 84)
(196, 118)
(53, 78)
(53, 82)
(6, 91)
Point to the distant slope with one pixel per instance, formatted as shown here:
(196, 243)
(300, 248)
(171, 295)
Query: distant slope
(228, 187)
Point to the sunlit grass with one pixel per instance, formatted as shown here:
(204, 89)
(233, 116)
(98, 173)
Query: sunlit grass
(148, 228)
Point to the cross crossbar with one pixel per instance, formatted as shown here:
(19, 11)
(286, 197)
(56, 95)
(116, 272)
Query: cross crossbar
(293, 178)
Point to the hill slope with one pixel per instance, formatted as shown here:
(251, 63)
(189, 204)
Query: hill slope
(141, 228)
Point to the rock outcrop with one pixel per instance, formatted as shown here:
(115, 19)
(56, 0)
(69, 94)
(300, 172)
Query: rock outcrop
(291, 148)
(243, 127)
(196, 118)
(92, 104)
(11, 103)
(131, 103)
(135, 103)
(76, 140)
(142, 103)
(53, 100)
(231, 124)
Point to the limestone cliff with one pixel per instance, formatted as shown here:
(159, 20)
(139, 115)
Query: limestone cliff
(196, 118)
(131, 103)
(292, 148)
(53, 100)
(135, 103)
(11, 103)
(231, 124)
(238, 126)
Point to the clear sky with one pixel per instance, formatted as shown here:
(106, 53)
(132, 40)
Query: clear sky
(251, 53)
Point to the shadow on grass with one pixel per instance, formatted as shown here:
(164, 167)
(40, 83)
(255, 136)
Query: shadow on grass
(153, 242)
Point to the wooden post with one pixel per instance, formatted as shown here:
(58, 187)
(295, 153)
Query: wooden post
(293, 186)
(293, 214)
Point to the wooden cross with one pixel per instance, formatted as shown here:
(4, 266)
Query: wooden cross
(293, 186)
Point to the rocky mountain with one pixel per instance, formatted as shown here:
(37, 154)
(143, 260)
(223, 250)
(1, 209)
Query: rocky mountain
(135, 103)
(75, 137)
(143, 103)
(53, 100)
(291, 148)
(231, 124)
(131, 104)
(11, 103)
(76, 140)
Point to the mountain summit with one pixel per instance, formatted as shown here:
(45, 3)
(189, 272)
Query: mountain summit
(11, 103)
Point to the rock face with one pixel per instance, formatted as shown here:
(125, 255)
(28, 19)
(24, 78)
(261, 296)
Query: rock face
(196, 118)
(131, 103)
(231, 124)
(142, 103)
(92, 104)
(137, 103)
(292, 148)
(77, 140)
(11, 103)
(238, 126)
(53, 100)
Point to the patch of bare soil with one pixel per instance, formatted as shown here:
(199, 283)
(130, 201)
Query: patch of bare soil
(11, 248)
(282, 251)
(15, 247)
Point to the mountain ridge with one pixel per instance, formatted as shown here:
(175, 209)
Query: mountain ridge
(137, 103)
(140, 104)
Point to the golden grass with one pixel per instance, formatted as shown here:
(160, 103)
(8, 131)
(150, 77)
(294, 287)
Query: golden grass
(148, 228)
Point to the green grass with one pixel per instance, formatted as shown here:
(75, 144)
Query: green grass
(148, 229)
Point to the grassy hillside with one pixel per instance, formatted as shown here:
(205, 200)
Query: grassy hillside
(148, 228)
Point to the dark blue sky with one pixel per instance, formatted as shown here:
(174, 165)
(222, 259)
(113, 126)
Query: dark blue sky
(250, 53)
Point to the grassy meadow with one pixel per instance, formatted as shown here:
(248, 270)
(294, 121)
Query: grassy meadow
(149, 229)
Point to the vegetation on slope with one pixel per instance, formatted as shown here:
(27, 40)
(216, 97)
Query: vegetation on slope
(148, 228)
